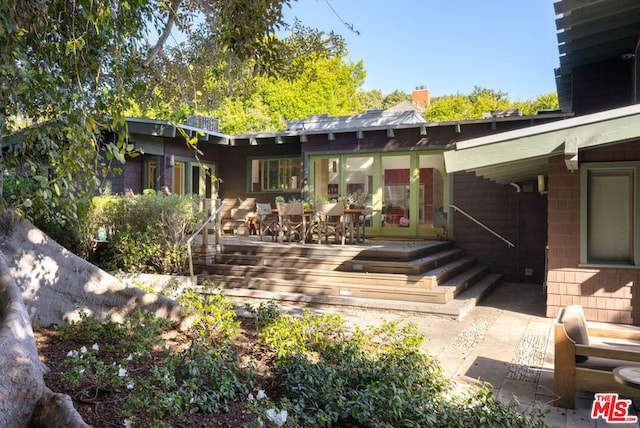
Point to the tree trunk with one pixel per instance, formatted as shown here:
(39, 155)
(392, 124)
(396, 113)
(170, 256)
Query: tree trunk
(55, 283)
(41, 283)
(25, 401)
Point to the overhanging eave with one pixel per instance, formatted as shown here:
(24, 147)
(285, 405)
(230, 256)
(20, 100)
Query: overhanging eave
(511, 156)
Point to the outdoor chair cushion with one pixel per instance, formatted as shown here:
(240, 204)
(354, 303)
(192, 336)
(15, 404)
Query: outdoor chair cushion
(575, 324)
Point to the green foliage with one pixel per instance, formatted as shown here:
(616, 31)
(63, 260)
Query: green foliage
(395, 98)
(288, 335)
(201, 378)
(65, 66)
(146, 233)
(370, 100)
(264, 313)
(214, 317)
(138, 332)
(483, 100)
(374, 377)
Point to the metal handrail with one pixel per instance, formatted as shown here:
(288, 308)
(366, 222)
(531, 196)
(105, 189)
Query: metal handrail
(485, 227)
(213, 216)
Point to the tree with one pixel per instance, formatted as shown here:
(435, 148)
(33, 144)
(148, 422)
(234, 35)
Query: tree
(370, 100)
(68, 69)
(483, 100)
(395, 98)
(547, 101)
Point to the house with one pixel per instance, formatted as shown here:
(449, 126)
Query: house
(530, 196)
(585, 168)
(391, 161)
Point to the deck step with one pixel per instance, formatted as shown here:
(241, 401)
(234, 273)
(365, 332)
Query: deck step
(312, 275)
(427, 273)
(445, 272)
(316, 288)
(407, 267)
(326, 263)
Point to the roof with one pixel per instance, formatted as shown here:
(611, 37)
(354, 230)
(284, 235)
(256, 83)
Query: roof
(368, 120)
(591, 31)
(165, 128)
(523, 154)
(406, 105)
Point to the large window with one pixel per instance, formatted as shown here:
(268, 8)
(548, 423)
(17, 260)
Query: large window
(276, 175)
(609, 208)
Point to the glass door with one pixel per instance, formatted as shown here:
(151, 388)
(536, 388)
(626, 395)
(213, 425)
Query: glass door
(432, 195)
(396, 195)
(406, 193)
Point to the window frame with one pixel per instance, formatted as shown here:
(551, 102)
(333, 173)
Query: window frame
(289, 169)
(603, 167)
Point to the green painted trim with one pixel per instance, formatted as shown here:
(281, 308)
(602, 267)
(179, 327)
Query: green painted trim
(584, 192)
(574, 135)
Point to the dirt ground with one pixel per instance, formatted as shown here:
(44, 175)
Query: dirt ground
(101, 409)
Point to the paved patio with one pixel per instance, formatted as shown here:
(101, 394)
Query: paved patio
(506, 340)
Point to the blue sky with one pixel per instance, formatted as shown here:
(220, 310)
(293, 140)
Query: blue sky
(449, 46)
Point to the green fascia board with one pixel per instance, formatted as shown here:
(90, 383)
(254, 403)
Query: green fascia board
(564, 137)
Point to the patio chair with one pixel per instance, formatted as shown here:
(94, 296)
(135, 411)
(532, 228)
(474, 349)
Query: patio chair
(331, 221)
(268, 221)
(291, 222)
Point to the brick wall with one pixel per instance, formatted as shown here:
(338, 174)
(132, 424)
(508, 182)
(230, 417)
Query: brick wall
(511, 214)
(607, 294)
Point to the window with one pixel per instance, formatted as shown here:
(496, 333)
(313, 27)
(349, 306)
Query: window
(608, 214)
(179, 178)
(275, 174)
(151, 174)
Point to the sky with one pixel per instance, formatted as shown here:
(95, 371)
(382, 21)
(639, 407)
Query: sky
(448, 46)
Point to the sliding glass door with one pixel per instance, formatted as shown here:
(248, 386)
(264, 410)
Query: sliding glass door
(405, 192)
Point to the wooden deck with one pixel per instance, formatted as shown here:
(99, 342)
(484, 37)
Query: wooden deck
(423, 276)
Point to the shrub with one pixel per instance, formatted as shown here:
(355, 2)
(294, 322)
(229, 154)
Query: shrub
(374, 377)
(146, 233)
(214, 317)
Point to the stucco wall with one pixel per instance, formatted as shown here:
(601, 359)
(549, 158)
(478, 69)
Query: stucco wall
(607, 294)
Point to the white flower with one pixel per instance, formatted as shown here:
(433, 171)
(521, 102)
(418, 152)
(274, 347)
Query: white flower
(127, 423)
(130, 385)
(260, 395)
(83, 349)
(130, 357)
(71, 354)
(277, 418)
(95, 347)
(81, 372)
(122, 372)
(250, 397)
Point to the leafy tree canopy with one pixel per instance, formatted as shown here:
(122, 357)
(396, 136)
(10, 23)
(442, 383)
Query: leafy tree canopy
(395, 98)
(483, 100)
(70, 67)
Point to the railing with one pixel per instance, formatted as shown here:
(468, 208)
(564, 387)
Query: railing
(214, 215)
(485, 227)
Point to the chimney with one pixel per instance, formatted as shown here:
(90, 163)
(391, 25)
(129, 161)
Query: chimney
(421, 96)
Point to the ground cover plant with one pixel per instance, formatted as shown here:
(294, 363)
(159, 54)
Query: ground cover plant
(271, 369)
